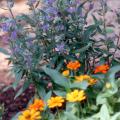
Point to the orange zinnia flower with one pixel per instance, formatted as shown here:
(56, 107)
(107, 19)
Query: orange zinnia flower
(37, 105)
(73, 65)
(102, 69)
(89, 79)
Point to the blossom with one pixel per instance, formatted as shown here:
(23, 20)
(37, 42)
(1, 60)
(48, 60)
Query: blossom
(37, 105)
(66, 73)
(7, 25)
(91, 6)
(76, 96)
(89, 79)
(60, 48)
(71, 9)
(30, 115)
(51, 10)
(92, 81)
(82, 77)
(55, 102)
(102, 69)
(73, 65)
(13, 35)
(108, 85)
(45, 27)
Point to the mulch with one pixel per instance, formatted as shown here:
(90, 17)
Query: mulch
(13, 106)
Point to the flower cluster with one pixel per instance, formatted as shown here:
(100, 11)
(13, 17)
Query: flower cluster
(55, 102)
(66, 73)
(30, 115)
(76, 96)
(102, 69)
(89, 79)
(37, 105)
(33, 112)
(73, 65)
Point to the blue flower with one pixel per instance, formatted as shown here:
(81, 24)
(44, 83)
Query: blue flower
(5, 27)
(15, 49)
(45, 27)
(14, 35)
(91, 6)
(71, 9)
(60, 48)
(51, 10)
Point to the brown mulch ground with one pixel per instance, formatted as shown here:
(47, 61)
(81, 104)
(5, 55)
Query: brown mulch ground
(14, 106)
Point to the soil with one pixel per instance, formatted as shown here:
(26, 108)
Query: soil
(12, 106)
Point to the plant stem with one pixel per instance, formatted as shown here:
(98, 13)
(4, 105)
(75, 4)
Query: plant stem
(58, 113)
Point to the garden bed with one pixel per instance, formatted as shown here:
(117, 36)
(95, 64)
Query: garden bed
(11, 105)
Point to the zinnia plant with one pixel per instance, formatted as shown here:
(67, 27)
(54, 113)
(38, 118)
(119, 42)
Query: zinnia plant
(30, 115)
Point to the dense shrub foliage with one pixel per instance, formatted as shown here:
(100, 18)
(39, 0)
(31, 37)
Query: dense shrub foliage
(71, 63)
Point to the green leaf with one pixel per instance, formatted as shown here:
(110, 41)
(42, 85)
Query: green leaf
(116, 116)
(16, 116)
(80, 85)
(60, 93)
(47, 96)
(110, 76)
(109, 30)
(104, 113)
(4, 51)
(57, 77)
(41, 91)
(18, 77)
(71, 116)
(6, 88)
(72, 107)
(83, 49)
(22, 89)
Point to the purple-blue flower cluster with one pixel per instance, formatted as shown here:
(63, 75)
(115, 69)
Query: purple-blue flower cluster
(60, 48)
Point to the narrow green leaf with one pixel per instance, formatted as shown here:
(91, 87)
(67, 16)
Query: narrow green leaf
(47, 96)
(60, 93)
(104, 113)
(4, 51)
(83, 49)
(16, 116)
(71, 116)
(80, 85)
(22, 89)
(57, 77)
